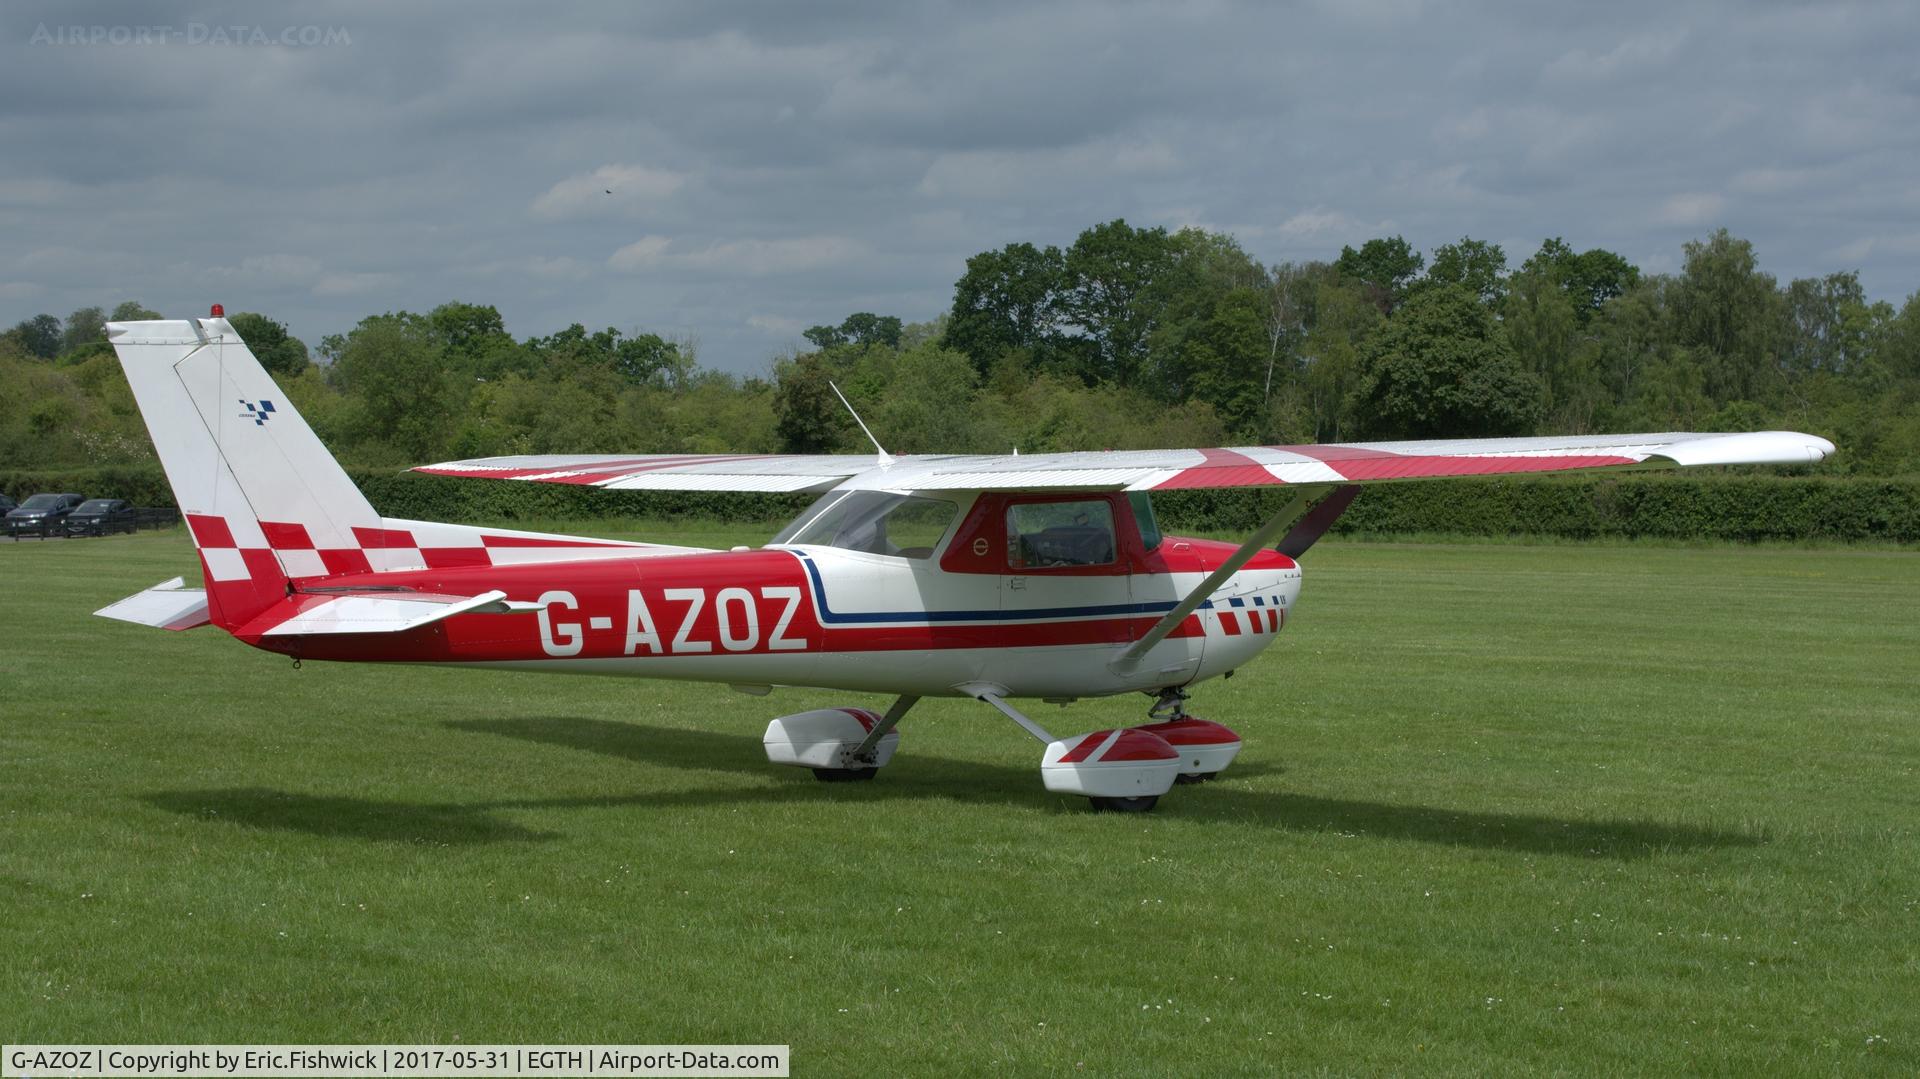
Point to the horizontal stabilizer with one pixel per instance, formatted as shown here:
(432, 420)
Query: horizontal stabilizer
(167, 605)
(308, 613)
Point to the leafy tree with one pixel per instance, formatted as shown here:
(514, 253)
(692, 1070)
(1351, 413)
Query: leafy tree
(133, 311)
(87, 326)
(808, 417)
(1725, 306)
(1290, 293)
(1479, 266)
(1440, 368)
(1589, 278)
(1387, 267)
(573, 354)
(1543, 325)
(1834, 328)
(1007, 300)
(269, 342)
(38, 336)
(468, 332)
(861, 328)
(928, 405)
(1902, 341)
(1345, 315)
(391, 367)
(1624, 339)
(1109, 269)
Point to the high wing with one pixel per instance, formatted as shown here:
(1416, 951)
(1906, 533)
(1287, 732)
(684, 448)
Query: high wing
(1154, 470)
(769, 473)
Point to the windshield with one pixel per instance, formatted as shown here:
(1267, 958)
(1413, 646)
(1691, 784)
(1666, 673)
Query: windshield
(1143, 516)
(906, 526)
(41, 502)
(95, 505)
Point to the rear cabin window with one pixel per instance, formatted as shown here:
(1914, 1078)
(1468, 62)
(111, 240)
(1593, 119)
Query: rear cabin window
(1041, 535)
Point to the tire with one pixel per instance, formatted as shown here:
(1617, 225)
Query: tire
(1194, 777)
(1140, 804)
(845, 775)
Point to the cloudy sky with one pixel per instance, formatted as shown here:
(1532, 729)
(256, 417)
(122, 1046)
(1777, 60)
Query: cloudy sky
(777, 165)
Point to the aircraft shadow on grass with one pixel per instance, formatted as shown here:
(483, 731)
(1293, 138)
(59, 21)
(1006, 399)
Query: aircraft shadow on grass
(909, 777)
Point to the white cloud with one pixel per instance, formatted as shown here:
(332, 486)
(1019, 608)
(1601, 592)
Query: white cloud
(1903, 245)
(640, 254)
(560, 268)
(753, 257)
(26, 192)
(350, 284)
(609, 188)
(984, 174)
(773, 256)
(272, 268)
(1645, 50)
(777, 325)
(1317, 222)
(1691, 208)
(1772, 181)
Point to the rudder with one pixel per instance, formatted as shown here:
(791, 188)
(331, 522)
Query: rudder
(263, 497)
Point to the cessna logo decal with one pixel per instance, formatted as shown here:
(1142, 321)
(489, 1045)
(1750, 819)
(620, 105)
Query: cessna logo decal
(257, 412)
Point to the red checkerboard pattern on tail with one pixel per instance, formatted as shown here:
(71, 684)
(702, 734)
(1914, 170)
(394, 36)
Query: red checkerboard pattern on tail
(236, 549)
(265, 501)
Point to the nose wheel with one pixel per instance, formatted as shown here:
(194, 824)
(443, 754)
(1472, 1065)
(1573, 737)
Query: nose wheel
(1126, 769)
(1139, 804)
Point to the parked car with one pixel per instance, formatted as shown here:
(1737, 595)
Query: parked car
(41, 514)
(6, 504)
(102, 517)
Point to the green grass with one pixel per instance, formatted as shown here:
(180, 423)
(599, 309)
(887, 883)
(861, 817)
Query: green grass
(1501, 808)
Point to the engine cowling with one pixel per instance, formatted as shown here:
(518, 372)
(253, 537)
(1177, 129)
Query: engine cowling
(826, 738)
(1124, 763)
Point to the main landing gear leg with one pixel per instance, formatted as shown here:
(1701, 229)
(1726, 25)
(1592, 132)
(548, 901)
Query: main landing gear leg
(862, 763)
(1121, 771)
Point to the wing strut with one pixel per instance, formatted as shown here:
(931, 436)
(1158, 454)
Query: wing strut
(1282, 520)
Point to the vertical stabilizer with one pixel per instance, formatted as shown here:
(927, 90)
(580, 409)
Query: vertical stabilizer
(261, 494)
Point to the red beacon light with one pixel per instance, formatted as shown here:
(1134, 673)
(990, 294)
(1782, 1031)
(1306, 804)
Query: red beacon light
(217, 312)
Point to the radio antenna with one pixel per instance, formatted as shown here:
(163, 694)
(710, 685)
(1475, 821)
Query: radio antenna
(886, 459)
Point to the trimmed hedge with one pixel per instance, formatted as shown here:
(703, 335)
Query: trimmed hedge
(1721, 507)
(441, 498)
(140, 484)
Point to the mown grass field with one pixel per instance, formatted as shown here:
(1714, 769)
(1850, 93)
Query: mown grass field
(1502, 808)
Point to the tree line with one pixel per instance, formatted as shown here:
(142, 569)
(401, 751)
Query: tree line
(1127, 338)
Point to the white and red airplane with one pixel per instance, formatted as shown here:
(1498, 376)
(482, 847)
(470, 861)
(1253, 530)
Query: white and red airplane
(990, 577)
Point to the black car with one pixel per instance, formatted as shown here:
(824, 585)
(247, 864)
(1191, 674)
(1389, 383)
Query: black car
(101, 517)
(6, 504)
(41, 514)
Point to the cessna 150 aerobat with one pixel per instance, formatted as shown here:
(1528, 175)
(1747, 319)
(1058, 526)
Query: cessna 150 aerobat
(996, 578)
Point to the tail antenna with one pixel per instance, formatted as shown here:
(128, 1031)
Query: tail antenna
(886, 459)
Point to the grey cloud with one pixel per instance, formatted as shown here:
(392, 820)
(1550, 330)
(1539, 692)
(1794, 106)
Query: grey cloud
(782, 165)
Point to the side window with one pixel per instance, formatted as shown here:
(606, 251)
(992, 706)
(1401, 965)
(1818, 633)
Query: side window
(1043, 534)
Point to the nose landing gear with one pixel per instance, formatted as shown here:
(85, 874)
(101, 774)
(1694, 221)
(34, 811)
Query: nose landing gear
(1127, 769)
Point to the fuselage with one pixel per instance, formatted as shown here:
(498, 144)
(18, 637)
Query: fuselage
(964, 609)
